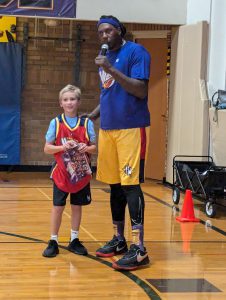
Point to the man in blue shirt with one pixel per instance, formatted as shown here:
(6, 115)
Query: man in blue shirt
(124, 73)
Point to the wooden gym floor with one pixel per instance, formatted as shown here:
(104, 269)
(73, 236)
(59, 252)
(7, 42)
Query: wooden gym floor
(188, 259)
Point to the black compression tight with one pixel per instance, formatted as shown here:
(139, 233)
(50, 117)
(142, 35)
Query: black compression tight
(135, 200)
(131, 194)
(118, 202)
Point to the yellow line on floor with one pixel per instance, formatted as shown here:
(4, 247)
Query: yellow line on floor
(66, 214)
(43, 193)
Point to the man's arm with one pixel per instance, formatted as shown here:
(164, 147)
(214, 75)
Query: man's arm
(95, 114)
(138, 88)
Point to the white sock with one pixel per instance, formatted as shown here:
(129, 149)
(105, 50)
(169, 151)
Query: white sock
(74, 234)
(54, 237)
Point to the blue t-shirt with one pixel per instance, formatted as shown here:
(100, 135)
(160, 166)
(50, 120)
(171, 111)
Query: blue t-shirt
(118, 108)
(51, 132)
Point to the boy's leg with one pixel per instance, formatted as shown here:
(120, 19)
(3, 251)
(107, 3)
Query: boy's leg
(56, 218)
(79, 199)
(59, 202)
(76, 216)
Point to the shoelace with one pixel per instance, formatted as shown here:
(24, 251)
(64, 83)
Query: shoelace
(111, 242)
(52, 243)
(76, 242)
(131, 252)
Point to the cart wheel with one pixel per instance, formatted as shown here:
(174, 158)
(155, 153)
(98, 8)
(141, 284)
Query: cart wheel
(210, 209)
(176, 195)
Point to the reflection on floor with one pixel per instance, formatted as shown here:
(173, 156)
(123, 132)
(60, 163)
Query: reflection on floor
(183, 285)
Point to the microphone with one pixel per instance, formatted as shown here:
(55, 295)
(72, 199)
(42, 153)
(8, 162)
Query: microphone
(104, 49)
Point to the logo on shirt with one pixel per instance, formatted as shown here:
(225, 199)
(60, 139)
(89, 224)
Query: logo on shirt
(106, 79)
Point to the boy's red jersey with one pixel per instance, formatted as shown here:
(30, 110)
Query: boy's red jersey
(72, 171)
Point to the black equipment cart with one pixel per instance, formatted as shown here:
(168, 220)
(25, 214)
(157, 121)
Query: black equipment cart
(202, 177)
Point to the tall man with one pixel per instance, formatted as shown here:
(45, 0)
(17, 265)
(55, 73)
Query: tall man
(124, 72)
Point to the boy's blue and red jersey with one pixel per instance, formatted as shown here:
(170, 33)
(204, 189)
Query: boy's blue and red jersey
(71, 172)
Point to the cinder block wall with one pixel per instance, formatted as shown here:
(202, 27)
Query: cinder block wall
(50, 65)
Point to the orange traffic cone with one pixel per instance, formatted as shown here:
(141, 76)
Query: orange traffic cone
(187, 214)
(186, 234)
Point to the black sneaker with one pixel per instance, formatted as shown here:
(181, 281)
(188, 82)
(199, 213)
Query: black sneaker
(52, 249)
(112, 248)
(133, 259)
(76, 247)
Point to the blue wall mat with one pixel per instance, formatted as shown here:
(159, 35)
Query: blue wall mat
(10, 94)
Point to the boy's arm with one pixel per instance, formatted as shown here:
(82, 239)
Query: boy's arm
(83, 148)
(92, 149)
(51, 148)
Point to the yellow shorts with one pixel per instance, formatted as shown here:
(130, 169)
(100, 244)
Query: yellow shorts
(119, 153)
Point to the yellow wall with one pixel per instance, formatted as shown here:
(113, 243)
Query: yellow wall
(5, 24)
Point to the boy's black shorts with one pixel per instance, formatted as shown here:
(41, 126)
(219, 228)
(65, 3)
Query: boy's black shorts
(82, 197)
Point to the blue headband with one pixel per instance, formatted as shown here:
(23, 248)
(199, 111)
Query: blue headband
(109, 21)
